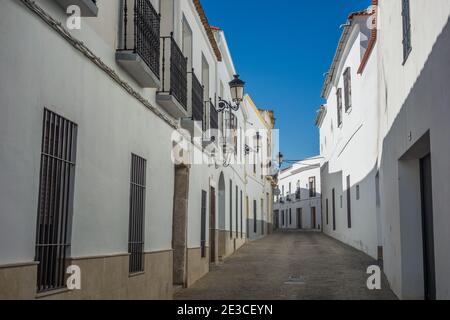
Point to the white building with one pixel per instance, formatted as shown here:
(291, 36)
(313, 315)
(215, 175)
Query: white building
(348, 140)
(87, 125)
(399, 158)
(298, 206)
(414, 148)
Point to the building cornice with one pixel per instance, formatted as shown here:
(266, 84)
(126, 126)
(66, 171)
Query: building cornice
(209, 30)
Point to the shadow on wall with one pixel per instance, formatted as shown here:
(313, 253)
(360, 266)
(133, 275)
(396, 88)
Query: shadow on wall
(351, 210)
(415, 175)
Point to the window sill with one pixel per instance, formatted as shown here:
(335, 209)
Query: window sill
(349, 110)
(54, 292)
(136, 274)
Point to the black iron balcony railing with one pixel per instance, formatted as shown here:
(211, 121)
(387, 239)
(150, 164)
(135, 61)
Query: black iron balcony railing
(213, 117)
(197, 99)
(141, 32)
(175, 82)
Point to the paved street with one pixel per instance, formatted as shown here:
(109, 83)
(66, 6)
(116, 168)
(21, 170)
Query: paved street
(290, 265)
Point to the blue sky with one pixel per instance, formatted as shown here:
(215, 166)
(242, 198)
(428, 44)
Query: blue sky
(282, 49)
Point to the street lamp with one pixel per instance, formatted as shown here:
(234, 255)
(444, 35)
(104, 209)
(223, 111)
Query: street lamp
(237, 95)
(280, 159)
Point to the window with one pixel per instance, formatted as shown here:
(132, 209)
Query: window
(231, 209)
(357, 192)
(290, 217)
(137, 214)
(327, 209)
(203, 224)
(339, 106)
(242, 217)
(333, 203)
(55, 206)
(282, 191)
(342, 201)
(298, 192)
(237, 211)
(349, 203)
(282, 218)
(406, 29)
(290, 188)
(312, 187)
(262, 216)
(255, 217)
(205, 78)
(187, 42)
(348, 89)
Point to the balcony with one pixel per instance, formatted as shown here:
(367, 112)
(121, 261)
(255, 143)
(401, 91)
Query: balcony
(195, 124)
(197, 101)
(173, 95)
(210, 123)
(213, 117)
(298, 194)
(139, 54)
(88, 7)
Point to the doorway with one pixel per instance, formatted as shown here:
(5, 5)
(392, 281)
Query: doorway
(426, 191)
(212, 225)
(179, 244)
(299, 218)
(313, 218)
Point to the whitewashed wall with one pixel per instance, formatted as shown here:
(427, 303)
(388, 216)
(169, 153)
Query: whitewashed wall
(352, 149)
(414, 99)
(111, 125)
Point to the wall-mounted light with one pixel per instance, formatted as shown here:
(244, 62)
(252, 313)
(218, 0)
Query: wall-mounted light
(237, 95)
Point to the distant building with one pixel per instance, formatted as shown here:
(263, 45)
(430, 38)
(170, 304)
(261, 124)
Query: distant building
(298, 205)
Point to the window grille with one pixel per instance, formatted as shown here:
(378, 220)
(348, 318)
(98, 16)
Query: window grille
(137, 214)
(55, 207)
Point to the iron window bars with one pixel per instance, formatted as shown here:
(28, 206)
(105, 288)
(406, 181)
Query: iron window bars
(348, 89)
(137, 214)
(203, 225)
(55, 206)
(213, 117)
(174, 83)
(339, 106)
(141, 32)
(406, 29)
(197, 99)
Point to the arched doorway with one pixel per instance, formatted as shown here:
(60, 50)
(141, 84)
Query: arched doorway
(221, 215)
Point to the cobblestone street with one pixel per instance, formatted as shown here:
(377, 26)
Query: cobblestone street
(292, 266)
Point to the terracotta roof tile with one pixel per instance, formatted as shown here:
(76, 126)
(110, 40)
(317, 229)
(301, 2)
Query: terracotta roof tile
(209, 30)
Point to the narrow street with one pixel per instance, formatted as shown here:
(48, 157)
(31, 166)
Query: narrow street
(289, 266)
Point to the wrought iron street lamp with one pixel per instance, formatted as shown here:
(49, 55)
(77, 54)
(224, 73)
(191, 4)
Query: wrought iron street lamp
(237, 95)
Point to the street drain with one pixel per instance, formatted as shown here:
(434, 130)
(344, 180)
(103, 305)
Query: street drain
(294, 281)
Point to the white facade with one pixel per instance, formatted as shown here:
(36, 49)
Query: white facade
(299, 206)
(394, 145)
(413, 104)
(119, 108)
(349, 146)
